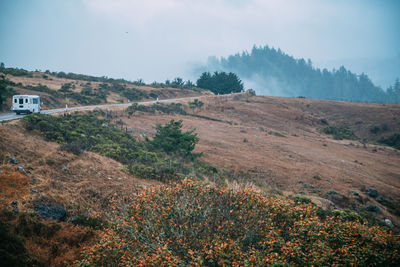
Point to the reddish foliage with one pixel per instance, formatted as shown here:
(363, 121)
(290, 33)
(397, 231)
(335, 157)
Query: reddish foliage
(196, 224)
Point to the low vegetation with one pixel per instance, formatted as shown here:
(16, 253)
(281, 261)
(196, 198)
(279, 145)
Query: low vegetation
(339, 133)
(393, 140)
(168, 156)
(192, 223)
(172, 108)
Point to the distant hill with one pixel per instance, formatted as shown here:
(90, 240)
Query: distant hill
(58, 89)
(272, 72)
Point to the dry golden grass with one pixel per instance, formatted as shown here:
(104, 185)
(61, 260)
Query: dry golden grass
(247, 139)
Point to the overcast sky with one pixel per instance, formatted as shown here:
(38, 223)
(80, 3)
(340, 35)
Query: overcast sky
(160, 39)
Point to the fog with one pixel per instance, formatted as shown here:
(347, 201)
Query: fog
(161, 39)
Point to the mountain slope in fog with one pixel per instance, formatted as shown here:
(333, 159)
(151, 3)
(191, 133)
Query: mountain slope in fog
(272, 72)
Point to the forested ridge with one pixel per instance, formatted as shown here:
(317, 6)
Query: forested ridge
(273, 72)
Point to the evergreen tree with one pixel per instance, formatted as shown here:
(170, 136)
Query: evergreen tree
(280, 74)
(220, 82)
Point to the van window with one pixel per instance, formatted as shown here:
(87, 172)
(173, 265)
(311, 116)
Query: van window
(21, 101)
(15, 101)
(35, 101)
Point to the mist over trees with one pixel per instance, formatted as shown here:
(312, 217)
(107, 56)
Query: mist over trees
(272, 72)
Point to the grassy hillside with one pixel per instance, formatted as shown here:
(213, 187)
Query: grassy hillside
(60, 89)
(224, 180)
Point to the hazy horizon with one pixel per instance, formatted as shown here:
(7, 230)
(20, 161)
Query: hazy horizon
(162, 39)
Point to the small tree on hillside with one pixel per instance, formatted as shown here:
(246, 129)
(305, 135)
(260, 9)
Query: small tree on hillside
(196, 104)
(220, 82)
(172, 140)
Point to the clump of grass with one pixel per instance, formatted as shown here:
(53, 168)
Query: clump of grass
(332, 192)
(277, 134)
(354, 193)
(317, 176)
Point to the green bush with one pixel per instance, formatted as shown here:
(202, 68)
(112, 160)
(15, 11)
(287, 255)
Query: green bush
(301, 199)
(374, 129)
(371, 208)
(172, 140)
(393, 140)
(88, 221)
(12, 248)
(339, 133)
(169, 156)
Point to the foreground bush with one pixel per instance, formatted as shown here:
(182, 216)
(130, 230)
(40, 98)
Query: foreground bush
(195, 224)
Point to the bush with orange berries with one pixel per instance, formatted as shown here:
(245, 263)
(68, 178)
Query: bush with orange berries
(192, 223)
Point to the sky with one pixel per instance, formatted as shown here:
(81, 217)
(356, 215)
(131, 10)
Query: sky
(155, 40)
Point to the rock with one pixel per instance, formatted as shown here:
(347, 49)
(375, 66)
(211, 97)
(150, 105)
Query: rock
(389, 223)
(34, 190)
(110, 178)
(51, 210)
(372, 192)
(21, 169)
(1, 171)
(64, 168)
(14, 203)
(12, 160)
(15, 210)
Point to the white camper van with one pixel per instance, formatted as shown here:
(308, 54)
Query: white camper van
(26, 104)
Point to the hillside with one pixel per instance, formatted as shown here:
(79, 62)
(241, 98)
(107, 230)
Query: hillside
(271, 71)
(271, 146)
(278, 141)
(59, 89)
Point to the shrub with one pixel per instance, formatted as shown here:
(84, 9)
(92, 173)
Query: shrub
(374, 129)
(172, 140)
(354, 193)
(12, 248)
(164, 158)
(301, 199)
(196, 104)
(339, 133)
(277, 134)
(347, 215)
(75, 147)
(191, 223)
(393, 140)
(386, 202)
(324, 121)
(371, 208)
(5, 91)
(88, 221)
(332, 192)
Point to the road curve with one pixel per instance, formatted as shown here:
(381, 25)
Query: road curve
(13, 116)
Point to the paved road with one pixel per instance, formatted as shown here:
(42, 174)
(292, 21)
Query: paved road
(13, 116)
